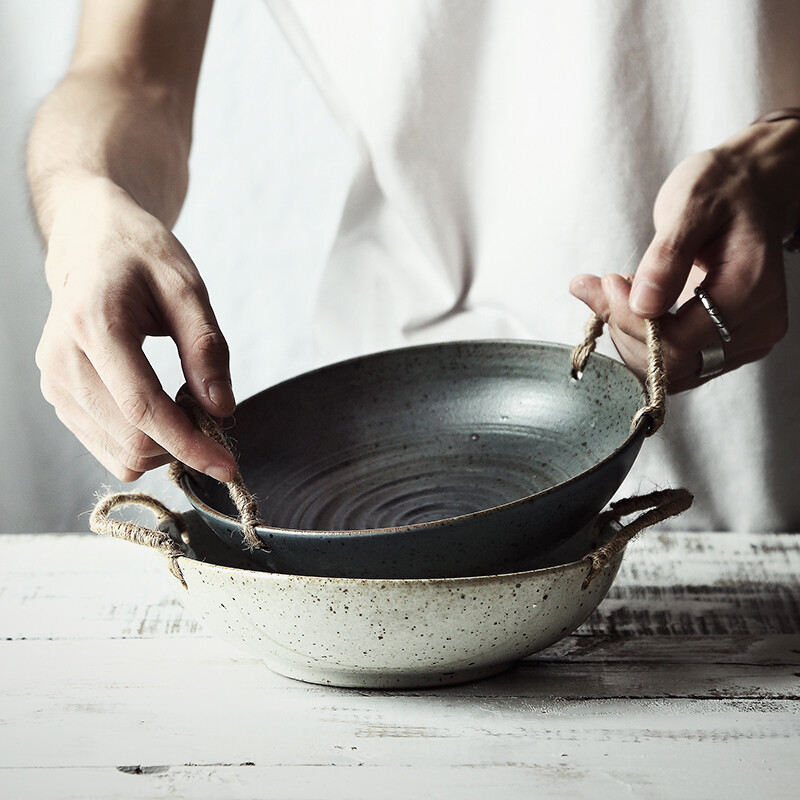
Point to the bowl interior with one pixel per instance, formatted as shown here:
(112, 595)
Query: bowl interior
(426, 433)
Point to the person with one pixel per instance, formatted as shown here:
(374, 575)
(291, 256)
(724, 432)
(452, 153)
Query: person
(499, 144)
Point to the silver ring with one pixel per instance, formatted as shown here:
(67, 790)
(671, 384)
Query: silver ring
(712, 360)
(722, 328)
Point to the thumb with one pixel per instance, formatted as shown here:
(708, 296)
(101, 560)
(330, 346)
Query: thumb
(662, 273)
(687, 219)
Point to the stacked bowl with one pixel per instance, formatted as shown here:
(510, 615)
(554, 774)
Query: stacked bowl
(426, 514)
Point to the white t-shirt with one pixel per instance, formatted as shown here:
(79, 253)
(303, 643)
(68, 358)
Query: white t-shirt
(506, 146)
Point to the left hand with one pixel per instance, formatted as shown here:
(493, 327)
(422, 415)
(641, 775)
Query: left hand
(720, 218)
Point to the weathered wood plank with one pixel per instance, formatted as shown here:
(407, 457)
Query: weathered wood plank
(55, 586)
(684, 684)
(30, 668)
(146, 701)
(742, 771)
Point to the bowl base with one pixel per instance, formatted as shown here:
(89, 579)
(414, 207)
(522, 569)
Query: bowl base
(324, 675)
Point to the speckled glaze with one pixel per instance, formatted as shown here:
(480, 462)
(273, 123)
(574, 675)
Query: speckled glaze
(447, 460)
(385, 633)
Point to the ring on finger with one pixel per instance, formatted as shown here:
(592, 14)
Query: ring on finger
(712, 360)
(716, 317)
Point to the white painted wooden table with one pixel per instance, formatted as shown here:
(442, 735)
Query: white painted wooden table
(685, 684)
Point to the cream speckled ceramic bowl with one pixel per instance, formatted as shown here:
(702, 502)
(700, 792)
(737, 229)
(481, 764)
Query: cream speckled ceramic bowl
(360, 632)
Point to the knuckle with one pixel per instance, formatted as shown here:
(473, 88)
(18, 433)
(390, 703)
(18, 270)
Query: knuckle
(45, 359)
(138, 447)
(666, 251)
(138, 410)
(124, 473)
(678, 355)
(209, 342)
(135, 464)
(78, 321)
(48, 356)
(48, 390)
(181, 282)
(40, 357)
(67, 423)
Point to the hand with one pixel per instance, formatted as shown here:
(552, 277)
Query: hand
(720, 218)
(118, 275)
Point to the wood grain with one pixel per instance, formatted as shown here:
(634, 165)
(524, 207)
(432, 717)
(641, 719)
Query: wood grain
(685, 683)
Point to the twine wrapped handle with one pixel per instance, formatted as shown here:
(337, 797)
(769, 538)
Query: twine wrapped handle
(655, 380)
(171, 546)
(657, 506)
(245, 502)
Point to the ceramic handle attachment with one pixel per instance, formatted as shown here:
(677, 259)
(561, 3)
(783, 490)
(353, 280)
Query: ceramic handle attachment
(656, 506)
(171, 545)
(655, 380)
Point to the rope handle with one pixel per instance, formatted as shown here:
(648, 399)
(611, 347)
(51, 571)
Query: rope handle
(172, 546)
(657, 506)
(655, 380)
(244, 500)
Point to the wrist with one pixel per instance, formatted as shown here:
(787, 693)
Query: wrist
(83, 207)
(789, 118)
(65, 191)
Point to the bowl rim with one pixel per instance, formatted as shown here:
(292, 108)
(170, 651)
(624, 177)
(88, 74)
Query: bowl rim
(604, 536)
(638, 431)
(467, 580)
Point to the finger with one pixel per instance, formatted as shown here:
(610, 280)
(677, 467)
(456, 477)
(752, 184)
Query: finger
(664, 269)
(733, 362)
(105, 449)
(761, 322)
(589, 289)
(681, 352)
(629, 335)
(617, 290)
(608, 298)
(690, 215)
(91, 395)
(69, 378)
(201, 345)
(122, 367)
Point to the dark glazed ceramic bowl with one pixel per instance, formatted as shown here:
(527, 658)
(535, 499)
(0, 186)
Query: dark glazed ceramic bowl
(446, 460)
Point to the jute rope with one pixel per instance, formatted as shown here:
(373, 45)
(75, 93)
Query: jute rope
(246, 504)
(657, 506)
(655, 380)
(100, 522)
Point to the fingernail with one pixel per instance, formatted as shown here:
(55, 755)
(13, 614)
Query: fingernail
(220, 473)
(221, 395)
(578, 289)
(646, 298)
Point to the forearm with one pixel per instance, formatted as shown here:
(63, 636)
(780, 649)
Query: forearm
(98, 124)
(108, 171)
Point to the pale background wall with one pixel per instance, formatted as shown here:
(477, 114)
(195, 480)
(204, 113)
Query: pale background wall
(269, 173)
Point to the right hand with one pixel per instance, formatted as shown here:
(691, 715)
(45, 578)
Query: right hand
(117, 275)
